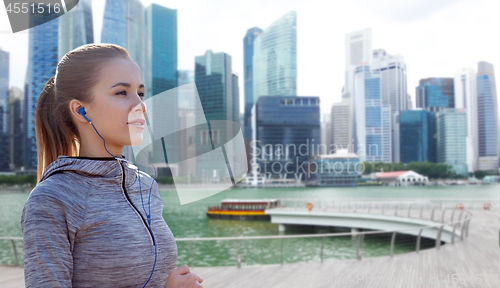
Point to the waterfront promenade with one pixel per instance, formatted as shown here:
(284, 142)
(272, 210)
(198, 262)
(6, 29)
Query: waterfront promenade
(473, 262)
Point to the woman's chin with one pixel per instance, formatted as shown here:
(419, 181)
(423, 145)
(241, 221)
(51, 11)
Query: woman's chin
(134, 141)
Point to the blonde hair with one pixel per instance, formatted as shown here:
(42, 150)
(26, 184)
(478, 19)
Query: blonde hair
(76, 74)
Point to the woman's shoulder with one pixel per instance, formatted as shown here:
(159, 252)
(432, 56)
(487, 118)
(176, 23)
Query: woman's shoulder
(57, 198)
(61, 188)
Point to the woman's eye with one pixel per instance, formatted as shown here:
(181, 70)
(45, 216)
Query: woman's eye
(141, 94)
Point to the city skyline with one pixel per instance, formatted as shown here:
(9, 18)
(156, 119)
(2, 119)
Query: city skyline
(427, 51)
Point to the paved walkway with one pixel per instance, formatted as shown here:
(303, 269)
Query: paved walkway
(472, 263)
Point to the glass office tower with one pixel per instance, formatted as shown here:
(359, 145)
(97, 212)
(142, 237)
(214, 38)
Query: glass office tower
(42, 64)
(371, 119)
(76, 28)
(434, 94)
(275, 59)
(287, 133)
(451, 138)
(248, 48)
(487, 117)
(413, 136)
(124, 25)
(466, 98)
(214, 81)
(161, 75)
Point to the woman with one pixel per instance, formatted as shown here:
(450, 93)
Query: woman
(84, 224)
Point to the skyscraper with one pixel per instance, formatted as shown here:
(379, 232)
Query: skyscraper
(393, 89)
(124, 25)
(358, 49)
(76, 28)
(185, 99)
(287, 133)
(214, 81)
(371, 119)
(16, 128)
(326, 133)
(161, 49)
(275, 59)
(466, 97)
(413, 135)
(248, 52)
(4, 88)
(487, 114)
(340, 126)
(451, 138)
(435, 92)
(236, 98)
(4, 110)
(42, 64)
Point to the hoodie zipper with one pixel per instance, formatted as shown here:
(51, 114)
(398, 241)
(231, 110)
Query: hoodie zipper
(128, 199)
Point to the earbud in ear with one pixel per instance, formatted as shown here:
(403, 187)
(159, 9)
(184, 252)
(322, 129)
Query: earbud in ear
(82, 112)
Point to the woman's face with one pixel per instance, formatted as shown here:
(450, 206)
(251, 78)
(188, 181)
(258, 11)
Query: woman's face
(118, 102)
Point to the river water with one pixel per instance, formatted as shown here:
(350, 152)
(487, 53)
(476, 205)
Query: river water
(190, 220)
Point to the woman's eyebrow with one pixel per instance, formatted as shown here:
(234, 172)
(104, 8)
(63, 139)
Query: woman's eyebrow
(125, 84)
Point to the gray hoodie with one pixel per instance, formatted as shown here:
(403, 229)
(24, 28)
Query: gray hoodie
(84, 226)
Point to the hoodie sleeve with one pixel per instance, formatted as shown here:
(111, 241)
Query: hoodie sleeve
(47, 248)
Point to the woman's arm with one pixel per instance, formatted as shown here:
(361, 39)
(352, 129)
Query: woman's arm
(48, 260)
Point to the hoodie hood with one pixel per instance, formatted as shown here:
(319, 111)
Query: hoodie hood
(104, 170)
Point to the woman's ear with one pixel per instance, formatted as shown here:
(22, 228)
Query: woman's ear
(74, 107)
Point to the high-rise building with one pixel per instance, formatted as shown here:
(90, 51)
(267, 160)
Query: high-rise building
(186, 100)
(340, 126)
(393, 88)
(435, 92)
(326, 133)
(161, 53)
(124, 25)
(465, 86)
(413, 135)
(161, 76)
(4, 110)
(16, 128)
(236, 98)
(451, 138)
(76, 28)
(487, 114)
(4, 88)
(275, 59)
(287, 134)
(186, 140)
(42, 64)
(358, 51)
(371, 120)
(248, 52)
(214, 82)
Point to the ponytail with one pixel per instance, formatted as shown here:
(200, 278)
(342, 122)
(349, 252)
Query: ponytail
(52, 137)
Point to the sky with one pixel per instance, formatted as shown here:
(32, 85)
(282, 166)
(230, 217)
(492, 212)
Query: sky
(436, 38)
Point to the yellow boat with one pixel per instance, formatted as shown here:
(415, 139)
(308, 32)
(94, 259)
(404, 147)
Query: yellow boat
(245, 209)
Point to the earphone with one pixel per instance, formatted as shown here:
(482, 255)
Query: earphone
(81, 111)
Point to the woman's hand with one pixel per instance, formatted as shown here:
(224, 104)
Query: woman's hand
(180, 277)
